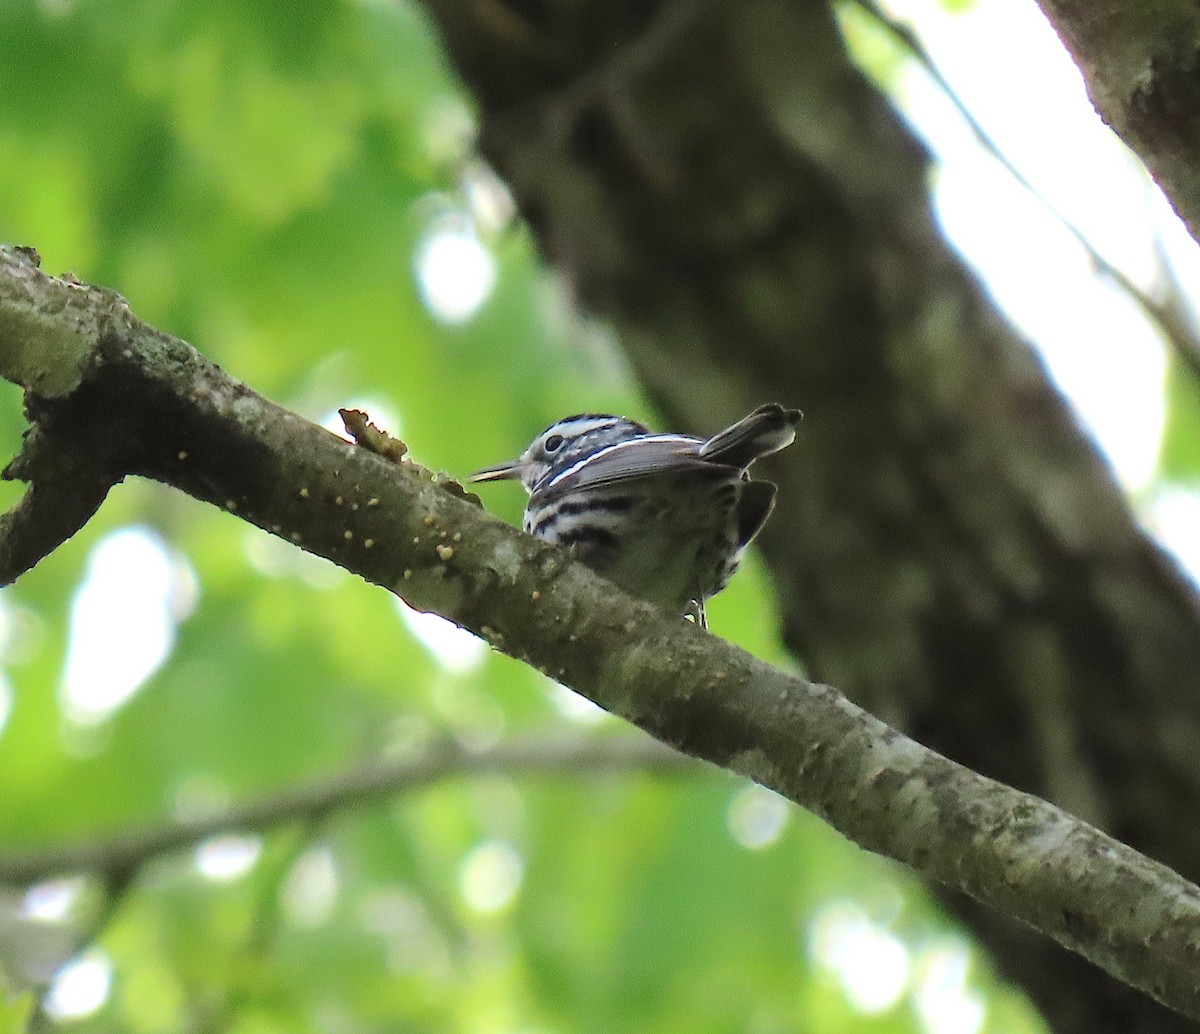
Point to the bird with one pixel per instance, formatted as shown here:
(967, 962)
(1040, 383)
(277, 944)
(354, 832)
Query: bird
(667, 517)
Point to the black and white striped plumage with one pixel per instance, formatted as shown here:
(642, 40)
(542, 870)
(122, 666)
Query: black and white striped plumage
(665, 516)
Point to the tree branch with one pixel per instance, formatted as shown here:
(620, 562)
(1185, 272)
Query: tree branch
(169, 414)
(66, 488)
(116, 858)
(47, 351)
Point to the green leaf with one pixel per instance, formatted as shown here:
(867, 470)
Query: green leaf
(1180, 456)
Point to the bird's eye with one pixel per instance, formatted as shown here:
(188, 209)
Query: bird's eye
(553, 443)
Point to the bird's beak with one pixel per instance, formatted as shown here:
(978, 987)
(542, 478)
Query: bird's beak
(501, 472)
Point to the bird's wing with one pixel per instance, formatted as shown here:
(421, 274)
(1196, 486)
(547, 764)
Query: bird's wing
(637, 458)
(755, 504)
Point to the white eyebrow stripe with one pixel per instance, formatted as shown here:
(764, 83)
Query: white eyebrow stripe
(616, 446)
(577, 427)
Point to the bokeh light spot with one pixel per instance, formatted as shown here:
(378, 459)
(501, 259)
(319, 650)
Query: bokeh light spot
(455, 271)
(490, 876)
(81, 987)
(870, 964)
(757, 817)
(944, 1002)
(227, 857)
(310, 890)
(51, 901)
(454, 648)
(123, 620)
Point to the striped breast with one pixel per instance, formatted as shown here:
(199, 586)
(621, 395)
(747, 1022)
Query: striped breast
(670, 538)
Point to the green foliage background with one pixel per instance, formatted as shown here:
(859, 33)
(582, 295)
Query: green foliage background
(257, 177)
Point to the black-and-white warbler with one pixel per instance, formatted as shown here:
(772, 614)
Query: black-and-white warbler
(665, 516)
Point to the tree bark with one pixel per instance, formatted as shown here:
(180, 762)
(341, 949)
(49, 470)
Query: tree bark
(731, 192)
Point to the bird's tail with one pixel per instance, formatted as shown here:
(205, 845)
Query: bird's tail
(768, 429)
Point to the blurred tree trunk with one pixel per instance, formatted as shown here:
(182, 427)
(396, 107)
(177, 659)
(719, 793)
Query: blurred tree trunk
(724, 185)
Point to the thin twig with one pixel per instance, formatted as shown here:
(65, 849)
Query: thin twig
(1169, 314)
(632, 59)
(117, 857)
(609, 84)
